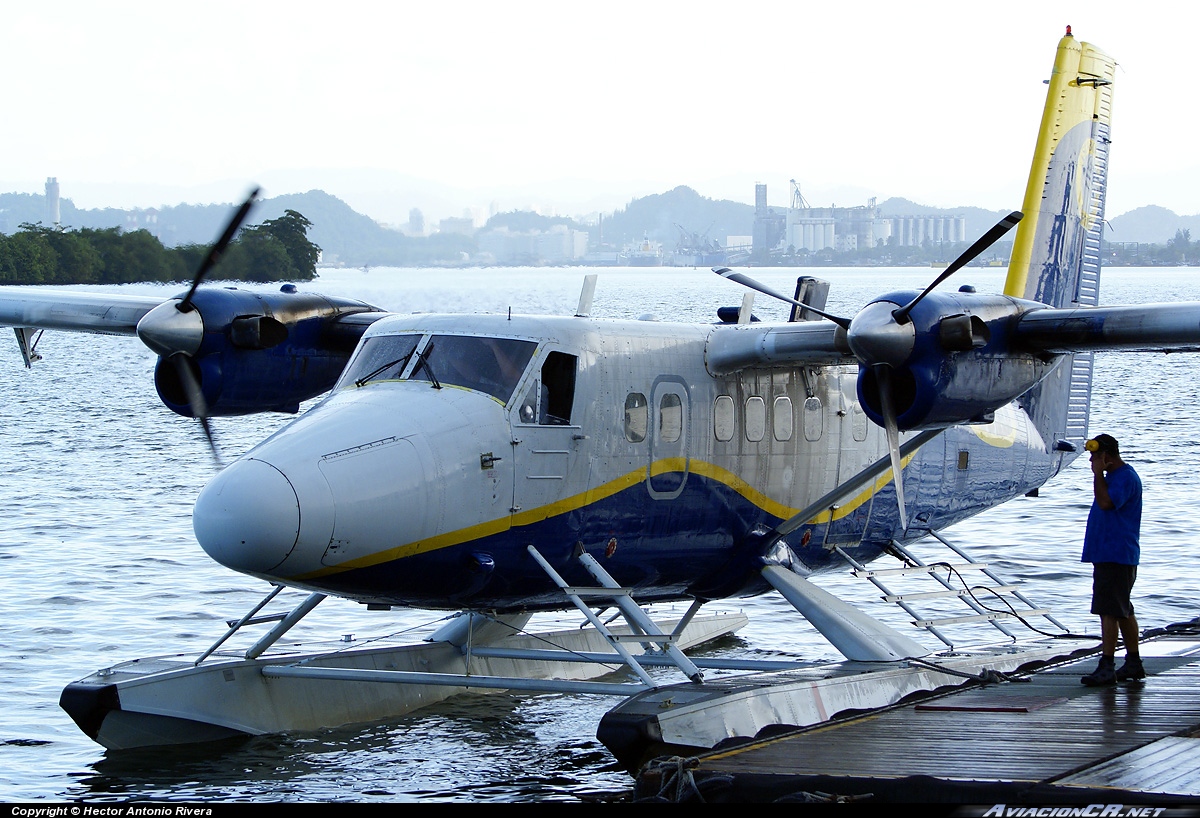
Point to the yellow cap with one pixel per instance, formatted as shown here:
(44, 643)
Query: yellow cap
(1103, 443)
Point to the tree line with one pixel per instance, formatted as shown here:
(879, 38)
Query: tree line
(1178, 251)
(276, 250)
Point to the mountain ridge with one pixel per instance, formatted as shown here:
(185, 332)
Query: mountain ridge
(350, 237)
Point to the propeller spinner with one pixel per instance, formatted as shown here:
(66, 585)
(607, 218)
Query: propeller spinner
(175, 329)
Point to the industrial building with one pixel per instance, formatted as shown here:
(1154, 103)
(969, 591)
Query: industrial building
(801, 226)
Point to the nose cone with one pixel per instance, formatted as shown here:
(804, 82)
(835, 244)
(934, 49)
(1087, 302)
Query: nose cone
(248, 517)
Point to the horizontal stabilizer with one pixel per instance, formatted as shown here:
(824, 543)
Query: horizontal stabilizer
(1136, 328)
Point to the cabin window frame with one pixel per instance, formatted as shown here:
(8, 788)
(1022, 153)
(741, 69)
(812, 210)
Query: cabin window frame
(782, 419)
(636, 412)
(724, 418)
(756, 418)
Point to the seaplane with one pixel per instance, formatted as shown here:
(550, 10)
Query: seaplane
(501, 465)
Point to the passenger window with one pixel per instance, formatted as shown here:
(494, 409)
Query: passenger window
(724, 420)
(636, 417)
(858, 420)
(756, 419)
(813, 419)
(782, 417)
(670, 418)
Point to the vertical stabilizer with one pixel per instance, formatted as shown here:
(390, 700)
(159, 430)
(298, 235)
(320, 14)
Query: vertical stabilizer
(1056, 252)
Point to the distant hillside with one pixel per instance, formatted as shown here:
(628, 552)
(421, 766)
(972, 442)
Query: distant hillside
(1150, 225)
(664, 216)
(354, 239)
(344, 235)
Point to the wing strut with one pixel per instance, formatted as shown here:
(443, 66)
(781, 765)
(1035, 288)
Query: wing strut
(644, 629)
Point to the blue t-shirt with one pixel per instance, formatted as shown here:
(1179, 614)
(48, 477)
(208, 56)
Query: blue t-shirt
(1112, 534)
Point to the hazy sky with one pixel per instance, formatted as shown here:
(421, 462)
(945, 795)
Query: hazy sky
(578, 105)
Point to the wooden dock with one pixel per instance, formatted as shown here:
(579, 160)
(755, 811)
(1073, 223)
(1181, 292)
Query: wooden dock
(1045, 739)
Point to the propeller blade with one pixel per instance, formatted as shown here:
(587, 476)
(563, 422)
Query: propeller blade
(214, 252)
(984, 242)
(746, 281)
(195, 398)
(883, 377)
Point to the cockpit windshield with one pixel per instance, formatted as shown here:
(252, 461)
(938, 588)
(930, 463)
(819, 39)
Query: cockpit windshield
(489, 365)
(382, 357)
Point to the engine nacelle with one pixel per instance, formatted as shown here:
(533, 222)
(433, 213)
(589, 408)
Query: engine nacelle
(262, 352)
(959, 363)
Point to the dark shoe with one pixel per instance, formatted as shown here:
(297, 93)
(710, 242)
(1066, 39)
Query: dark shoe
(1104, 674)
(1132, 669)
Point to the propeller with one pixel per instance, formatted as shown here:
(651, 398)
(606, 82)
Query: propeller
(195, 398)
(882, 337)
(214, 252)
(982, 243)
(175, 329)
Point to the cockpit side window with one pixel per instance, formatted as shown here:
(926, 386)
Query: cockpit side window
(558, 389)
(489, 365)
(379, 358)
(549, 399)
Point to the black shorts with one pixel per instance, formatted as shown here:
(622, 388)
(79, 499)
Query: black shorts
(1112, 583)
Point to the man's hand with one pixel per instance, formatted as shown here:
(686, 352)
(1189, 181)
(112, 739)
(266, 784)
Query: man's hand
(1099, 484)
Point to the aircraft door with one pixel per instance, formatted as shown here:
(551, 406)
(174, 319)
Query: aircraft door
(670, 427)
(546, 441)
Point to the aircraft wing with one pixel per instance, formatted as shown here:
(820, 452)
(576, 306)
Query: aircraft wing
(226, 351)
(1133, 328)
(737, 346)
(77, 311)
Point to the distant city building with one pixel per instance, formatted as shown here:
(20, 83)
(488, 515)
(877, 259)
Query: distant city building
(558, 245)
(142, 220)
(914, 231)
(53, 214)
(416, 222)
(464, 226)
(843, 229)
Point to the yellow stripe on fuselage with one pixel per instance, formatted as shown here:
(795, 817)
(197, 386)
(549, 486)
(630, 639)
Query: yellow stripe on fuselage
(595, 495)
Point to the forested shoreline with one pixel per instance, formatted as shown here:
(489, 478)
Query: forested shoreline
(276, 250)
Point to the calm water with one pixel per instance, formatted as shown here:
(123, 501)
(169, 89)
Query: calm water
(98, 563)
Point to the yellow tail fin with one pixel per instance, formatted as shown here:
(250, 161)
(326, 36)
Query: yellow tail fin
(1056, 252)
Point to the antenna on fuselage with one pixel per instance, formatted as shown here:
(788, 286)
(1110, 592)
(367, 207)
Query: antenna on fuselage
(585, 296)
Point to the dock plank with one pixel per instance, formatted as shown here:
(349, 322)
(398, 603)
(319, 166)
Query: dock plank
(1048, 733)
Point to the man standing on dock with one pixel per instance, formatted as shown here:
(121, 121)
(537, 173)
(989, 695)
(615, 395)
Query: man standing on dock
(1111, 545)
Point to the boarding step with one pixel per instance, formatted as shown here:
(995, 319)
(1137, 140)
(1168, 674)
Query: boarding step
(991, 602)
